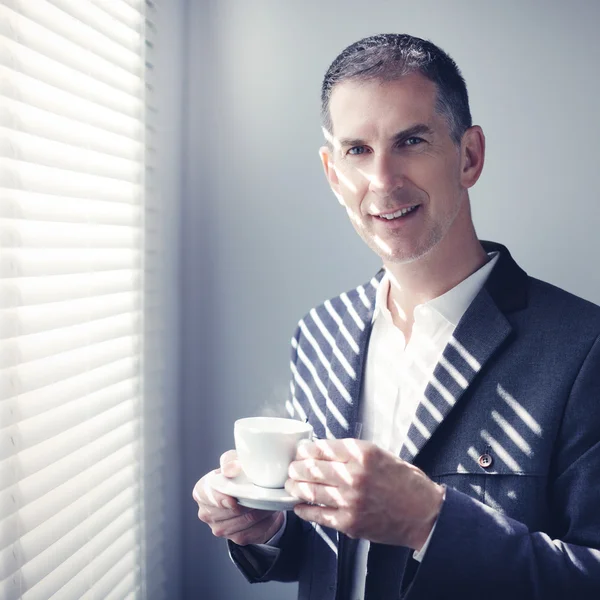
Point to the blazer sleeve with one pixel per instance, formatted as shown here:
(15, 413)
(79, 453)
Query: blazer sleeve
(276, 564)
(477, 552)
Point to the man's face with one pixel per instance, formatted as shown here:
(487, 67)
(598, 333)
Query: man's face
(392, 155)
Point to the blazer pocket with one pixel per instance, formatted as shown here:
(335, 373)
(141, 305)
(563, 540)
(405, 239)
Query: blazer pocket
(519, 495)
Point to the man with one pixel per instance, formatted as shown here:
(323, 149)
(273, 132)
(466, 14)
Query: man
(456, 398)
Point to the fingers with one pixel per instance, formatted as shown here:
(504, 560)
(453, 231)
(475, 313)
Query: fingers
(337, 450)
(321, 450)
(213, 506)
(204, 493)
(211, 514)
(230, 465)
(229, 527)
(227, 518)
(252, 527)
(328, 517)
(317, 493)
(227, 457)
(322, 471)
(259, 533)
(341, 520)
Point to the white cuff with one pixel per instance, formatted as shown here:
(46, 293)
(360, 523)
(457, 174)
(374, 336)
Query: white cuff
(272, 543)
(418, 555)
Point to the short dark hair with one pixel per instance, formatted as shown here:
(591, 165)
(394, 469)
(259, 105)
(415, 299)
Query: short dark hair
(389, 56)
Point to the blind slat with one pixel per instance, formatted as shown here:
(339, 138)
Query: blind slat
(97, 19)
(116, 582)
(29, 433)
(52, 369)
(18, 174)
(78, 31)
(40, 505)
(22, 60)
(60, 514)
(46, 399)
(33, 263)
(118, 578)
(40, 123)
(27, 291)
(43, 457)
(27, 320)
(54, 46)
(45, 477)
(101, 557)
(127, 13)
(45, 96)
(24, 147)
(52, 569)
(21, 233)
(28, 348)
(129, 589)
(20, 204)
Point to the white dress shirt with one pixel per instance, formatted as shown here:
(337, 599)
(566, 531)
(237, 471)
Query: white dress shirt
(397, 373)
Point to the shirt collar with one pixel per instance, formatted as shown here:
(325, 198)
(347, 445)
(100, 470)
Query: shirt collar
(451, 305)
(381, 309)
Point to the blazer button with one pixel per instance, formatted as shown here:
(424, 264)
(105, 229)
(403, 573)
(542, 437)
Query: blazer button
(485, 461)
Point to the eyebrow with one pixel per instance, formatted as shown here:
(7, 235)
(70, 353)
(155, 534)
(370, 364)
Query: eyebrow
(419, 129)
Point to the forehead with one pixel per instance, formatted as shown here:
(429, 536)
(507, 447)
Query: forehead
(367, 108)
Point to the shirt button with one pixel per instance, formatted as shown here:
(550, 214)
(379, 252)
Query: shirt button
(485, 461)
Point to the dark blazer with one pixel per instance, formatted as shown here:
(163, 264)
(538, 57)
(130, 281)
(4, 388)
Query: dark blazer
(512, 428)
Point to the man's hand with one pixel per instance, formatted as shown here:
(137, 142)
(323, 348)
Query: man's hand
(364, 492)
(226, 517)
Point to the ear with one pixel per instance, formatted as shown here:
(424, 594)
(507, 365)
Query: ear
(472, 156)
(326, 155)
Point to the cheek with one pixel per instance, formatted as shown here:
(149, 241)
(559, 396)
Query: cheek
(354, 214)
(352, 195)
(350, 181)
(439, 182)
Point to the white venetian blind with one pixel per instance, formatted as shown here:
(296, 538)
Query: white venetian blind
(72, 260)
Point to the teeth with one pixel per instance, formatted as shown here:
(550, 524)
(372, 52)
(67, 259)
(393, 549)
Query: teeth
(398, 213)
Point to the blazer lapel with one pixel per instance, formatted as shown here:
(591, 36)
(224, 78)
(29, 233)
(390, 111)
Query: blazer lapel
(464, 356)
(481, 332)
(353, 313)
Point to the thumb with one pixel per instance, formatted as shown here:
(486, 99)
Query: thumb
(230, 465)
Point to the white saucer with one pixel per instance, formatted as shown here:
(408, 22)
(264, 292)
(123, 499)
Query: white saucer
(253, 496)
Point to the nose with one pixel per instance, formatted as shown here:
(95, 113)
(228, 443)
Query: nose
(386, 176)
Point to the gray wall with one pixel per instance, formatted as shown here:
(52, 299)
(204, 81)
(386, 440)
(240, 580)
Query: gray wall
(263, 237)
(162, 399)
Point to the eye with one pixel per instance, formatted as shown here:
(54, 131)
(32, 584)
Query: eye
(413, 141)
(356, 150)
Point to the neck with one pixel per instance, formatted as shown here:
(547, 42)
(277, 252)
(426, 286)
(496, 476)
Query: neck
(451, 261)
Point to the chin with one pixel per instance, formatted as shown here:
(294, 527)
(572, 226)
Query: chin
(398, 256)
(402, 258)
(406, 255)
(393, 251)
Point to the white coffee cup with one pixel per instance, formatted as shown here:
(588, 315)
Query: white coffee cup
(266, 446)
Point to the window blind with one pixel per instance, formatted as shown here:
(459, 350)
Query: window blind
(73, 173)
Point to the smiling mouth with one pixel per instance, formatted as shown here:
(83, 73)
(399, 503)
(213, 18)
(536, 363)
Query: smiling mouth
(402, 212)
